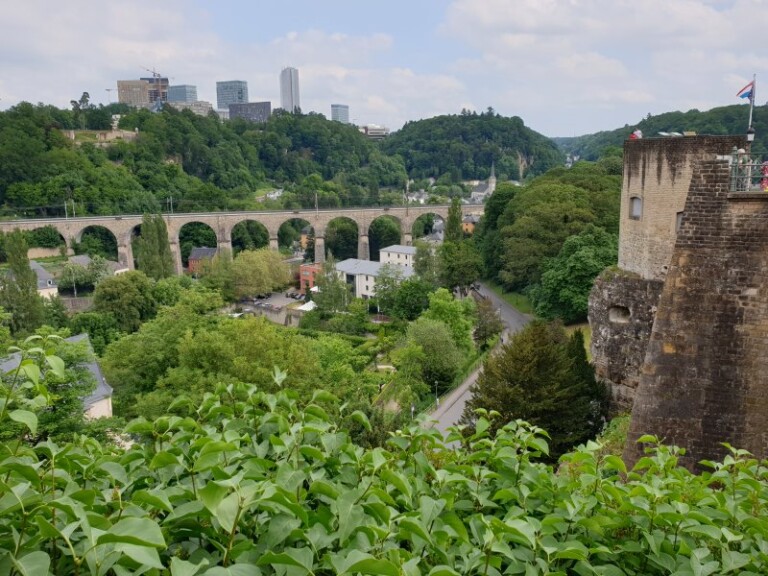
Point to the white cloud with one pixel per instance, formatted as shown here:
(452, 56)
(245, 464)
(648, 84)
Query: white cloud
(564, 66)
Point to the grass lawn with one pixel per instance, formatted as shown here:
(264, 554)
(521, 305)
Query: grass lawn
(519, 301)
(586, 329)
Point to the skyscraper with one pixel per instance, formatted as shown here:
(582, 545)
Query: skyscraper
(340, 113)
(182, 93)
(231, 92)
(289, 90)
(158, 89)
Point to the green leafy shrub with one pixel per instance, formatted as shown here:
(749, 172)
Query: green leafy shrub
(256, 483)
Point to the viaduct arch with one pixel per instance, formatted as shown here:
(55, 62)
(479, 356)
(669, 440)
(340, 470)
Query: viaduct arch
(222, 224)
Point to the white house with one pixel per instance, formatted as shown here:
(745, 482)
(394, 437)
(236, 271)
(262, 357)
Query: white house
(361, 274)
(398, 254)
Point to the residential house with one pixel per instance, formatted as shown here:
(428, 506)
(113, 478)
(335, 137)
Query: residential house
(469, 222)
(398, 254)
(97, 404)
(114, 267)
(198, 257)
(361, 274)
(307, 276)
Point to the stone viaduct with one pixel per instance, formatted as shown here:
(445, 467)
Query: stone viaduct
(680, 328)
(124, 228)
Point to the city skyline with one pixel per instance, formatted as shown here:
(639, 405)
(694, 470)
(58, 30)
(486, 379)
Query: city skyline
(565, 68)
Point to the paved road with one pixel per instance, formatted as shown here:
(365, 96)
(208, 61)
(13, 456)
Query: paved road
(452, 406)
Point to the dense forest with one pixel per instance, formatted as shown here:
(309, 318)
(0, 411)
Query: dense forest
(181, 161)
(466, 145)
(723, 120)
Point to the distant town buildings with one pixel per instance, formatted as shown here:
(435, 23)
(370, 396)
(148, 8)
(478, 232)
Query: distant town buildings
(199, 107)
(182, 93)
(374, 131)
(253, 111)
(482, 190)
(289, 90)
(144, 92)
(340, 113)
(157, 89)
(133, 92)
(231, 92)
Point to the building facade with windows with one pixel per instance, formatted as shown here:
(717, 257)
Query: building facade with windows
(182, 93)
(398, 254)
(253, 111)
(289, 90)
(231, 92)
(133, 92)
(340, 113)
(360, 275)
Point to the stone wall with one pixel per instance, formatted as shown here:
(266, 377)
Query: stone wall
(704, 380)
(657, 172)
(621, 312)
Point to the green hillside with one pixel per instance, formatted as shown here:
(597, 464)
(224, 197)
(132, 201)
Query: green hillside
(465, 145)
(724, 120)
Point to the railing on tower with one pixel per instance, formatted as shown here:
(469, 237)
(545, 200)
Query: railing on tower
(748, 174)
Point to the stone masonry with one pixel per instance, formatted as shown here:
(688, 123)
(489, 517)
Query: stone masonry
(704, 379)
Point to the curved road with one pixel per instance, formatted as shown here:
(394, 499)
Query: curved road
(452, 405)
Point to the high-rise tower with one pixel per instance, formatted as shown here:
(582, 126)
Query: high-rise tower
(289, 90)
(340, 113)
(231, 92)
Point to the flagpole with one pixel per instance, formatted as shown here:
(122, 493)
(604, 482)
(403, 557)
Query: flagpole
(752, 100)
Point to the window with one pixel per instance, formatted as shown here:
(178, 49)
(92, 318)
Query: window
(619, 314)
(635, 208)
(678, 221)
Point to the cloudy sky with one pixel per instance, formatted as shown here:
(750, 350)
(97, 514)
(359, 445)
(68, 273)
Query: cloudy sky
(566, 67)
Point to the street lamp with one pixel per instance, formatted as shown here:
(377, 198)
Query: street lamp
(413, 411)
(437, 400)
(750, 134)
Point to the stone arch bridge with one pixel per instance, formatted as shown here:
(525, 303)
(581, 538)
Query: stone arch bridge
(222, 223)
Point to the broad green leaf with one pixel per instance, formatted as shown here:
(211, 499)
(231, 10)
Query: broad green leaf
(361, 419)
(234, 570)
(33, 564)
(397, 480)
(374, 566)
(181, 567)
(140, 531)
(227, 511)
(25, 417)
(298, 557)
(144, 555)
(57, 365)
(443, 571)
(31, 371)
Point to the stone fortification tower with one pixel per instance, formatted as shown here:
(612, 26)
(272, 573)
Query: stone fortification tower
(680, 329)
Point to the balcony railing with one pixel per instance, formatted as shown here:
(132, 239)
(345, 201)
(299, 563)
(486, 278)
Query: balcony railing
(748, 174)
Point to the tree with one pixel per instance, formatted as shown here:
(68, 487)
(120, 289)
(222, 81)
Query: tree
(128, 297)
(101, 328)
(442, 358)
(411, 298)
(259, 272)
(153, 252)
(456, 314)
(488, 323)
(425, 262)
(387, 283)
(568, 277)
(341, 238)
(459, 264)
(453, 230)
(216, 274)
(333, 294)
(383, 232)
(18, 288)
(535, 377)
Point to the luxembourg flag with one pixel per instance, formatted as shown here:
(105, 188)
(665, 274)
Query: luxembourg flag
(747, 91)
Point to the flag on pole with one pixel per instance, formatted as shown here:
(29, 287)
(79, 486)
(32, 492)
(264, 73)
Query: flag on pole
(747, 91)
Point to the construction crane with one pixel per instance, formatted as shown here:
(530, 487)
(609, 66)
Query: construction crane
(157, 91)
